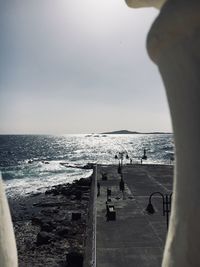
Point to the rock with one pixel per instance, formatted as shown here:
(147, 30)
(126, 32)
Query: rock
(46, 162)
(76, 216)
(88, 166)
(50, 204)
(51, 225)
(86, 197)
(57, 190)
(49, 212)
(74, 259)
(35, 194)
(83, 188)
(78, 194)
(63, 231)
(43, 238)
(84, 181)
(47, 227)
(52, 191)
(36, 221)
(67, 191)
(73, 197)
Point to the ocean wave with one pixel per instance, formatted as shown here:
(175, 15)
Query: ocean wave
(32, 162)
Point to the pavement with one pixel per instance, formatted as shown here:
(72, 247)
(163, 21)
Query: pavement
(135, 238)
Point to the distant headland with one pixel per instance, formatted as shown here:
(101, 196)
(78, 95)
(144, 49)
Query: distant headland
(133, 132)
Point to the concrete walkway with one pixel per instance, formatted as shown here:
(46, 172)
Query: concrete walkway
(134, 239)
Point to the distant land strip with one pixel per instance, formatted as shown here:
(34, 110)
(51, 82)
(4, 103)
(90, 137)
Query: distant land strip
(131, 132)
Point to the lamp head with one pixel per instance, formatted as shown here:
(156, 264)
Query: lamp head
(150, 208)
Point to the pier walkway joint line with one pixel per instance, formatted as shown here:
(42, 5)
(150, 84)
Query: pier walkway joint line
(134, 239)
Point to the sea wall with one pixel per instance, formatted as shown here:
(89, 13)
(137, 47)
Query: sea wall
(90, 249)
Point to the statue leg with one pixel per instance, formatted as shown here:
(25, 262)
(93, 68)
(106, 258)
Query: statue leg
(8, 252)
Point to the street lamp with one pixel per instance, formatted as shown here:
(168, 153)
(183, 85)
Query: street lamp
(144, 155)
(166, 199)
(120, 156)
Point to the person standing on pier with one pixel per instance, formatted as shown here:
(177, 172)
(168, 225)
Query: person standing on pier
(98, 189)
(121, 186)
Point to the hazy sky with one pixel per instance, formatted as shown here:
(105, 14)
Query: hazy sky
(78, 66)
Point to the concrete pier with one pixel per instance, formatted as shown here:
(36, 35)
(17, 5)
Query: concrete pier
(135, 238)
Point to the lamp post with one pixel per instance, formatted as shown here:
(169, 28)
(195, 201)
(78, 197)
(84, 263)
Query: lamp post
(144, 155)
(166, 201)
(120, 156)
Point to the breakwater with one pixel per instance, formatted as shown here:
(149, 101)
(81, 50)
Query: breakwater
(128, 234)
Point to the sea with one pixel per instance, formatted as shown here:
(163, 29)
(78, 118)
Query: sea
(33, 163)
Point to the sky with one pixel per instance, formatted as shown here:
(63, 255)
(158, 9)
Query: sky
(78, 66)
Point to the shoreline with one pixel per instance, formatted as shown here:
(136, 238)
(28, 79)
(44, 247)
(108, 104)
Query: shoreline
(45, 232)
(51, 226)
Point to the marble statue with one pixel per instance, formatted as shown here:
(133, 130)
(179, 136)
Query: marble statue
(8, 251)
(173, 43)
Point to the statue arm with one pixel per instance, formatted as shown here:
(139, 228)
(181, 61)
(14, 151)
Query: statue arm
(145, 3)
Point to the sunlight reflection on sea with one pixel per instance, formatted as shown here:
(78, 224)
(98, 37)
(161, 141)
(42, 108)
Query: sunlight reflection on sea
(30, 163)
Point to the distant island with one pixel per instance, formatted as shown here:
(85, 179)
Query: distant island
(131, 132)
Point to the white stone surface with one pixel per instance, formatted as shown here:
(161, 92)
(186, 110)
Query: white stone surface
(8, 252)
(174, 45)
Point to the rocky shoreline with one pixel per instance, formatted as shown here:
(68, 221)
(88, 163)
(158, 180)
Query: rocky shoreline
(51, 227)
